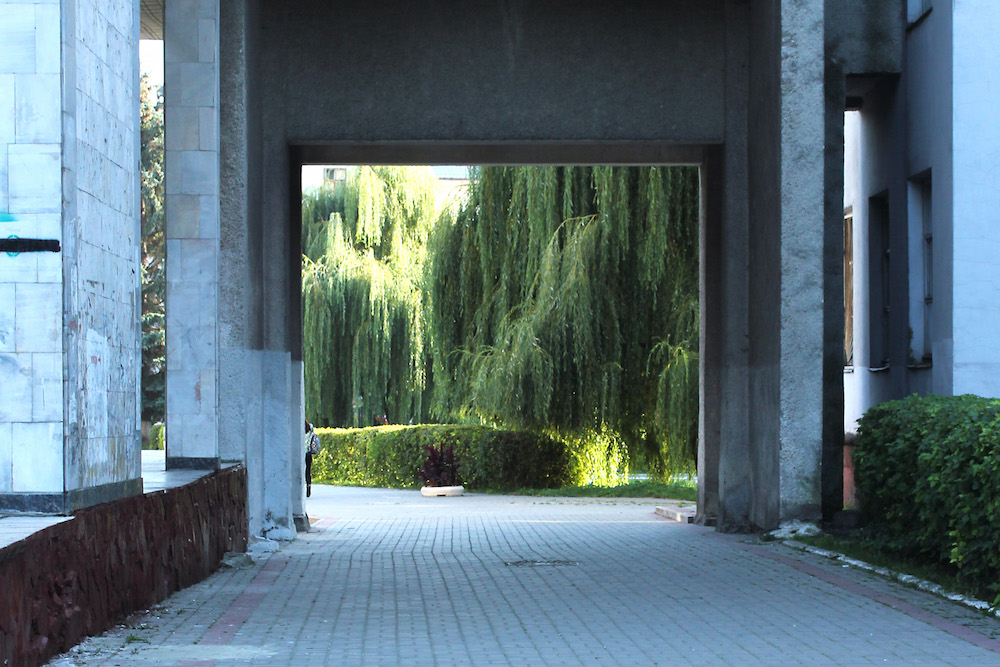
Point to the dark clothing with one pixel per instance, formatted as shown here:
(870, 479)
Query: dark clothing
(309, 474)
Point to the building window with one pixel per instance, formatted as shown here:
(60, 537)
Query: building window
(878, 281)
(921, 269)
(849, 288)
(916, 9)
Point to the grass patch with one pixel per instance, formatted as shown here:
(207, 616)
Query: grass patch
(132, 639)
(870, 552)
(675, 490)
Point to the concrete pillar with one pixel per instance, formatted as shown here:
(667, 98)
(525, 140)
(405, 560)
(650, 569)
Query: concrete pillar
(833, 301)
(31, 295)
(69, 320)
(282, 449)
(260, 420)
(710, 337)
(786, 156)
(802, 234)
(191, 96)
(241, 363)
(734, 475)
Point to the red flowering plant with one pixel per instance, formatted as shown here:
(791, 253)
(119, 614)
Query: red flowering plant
(440, 468)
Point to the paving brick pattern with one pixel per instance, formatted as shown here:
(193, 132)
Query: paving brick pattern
(389, 577)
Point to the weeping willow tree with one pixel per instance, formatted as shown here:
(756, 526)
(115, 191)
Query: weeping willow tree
(319, 207)
(364, 339)
(567, 298)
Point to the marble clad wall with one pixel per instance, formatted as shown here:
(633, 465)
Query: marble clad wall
(191, 95)
(102, 229)
(69, 321)
(31, 323)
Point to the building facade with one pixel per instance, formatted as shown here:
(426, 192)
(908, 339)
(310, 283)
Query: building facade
(751, 91)
(922, 215)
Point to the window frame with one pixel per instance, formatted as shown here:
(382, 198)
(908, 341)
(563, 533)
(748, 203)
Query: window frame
(879, 281)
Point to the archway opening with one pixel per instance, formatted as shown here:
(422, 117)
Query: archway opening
(644, 328)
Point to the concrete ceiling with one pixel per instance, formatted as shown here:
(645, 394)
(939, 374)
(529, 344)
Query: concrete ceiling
(151, 19)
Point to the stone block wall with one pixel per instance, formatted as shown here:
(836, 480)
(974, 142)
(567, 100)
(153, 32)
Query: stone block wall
(80, 577)
(191, 94)
(31, 323)
(102, 241)
(69, 320)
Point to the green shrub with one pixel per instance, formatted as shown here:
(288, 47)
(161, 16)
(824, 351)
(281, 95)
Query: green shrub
(927, 470)
(156, 440)
(487, 458)
(598, 459)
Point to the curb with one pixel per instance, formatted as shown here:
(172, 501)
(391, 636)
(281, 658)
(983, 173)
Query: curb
(681, 515)
(892, 575)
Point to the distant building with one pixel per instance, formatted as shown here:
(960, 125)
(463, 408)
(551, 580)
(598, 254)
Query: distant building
(334, 174)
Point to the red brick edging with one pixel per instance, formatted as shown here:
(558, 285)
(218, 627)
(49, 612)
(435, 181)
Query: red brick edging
(80, 577)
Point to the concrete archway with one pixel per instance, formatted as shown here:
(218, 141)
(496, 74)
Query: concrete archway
(747, 86)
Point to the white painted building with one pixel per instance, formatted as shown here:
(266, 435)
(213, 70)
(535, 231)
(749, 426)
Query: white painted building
(922, 214)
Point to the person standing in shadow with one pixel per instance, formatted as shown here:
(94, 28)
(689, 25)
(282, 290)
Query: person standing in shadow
(312, 448)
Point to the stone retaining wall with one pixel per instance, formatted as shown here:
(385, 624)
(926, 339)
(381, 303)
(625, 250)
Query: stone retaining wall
(80, 577)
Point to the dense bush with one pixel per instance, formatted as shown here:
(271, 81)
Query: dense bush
(488, 458)
(440, 467)
(927, 470)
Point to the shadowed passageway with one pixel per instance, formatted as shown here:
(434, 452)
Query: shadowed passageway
(389, 577)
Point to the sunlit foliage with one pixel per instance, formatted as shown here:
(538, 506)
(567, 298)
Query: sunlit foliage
(364, 243)
(567, 299)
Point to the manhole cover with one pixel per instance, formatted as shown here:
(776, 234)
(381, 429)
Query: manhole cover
(540, 563)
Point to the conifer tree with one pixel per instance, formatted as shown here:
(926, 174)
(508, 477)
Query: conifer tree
(152, 260)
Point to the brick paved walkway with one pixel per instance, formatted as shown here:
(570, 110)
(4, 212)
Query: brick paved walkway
(389, 577)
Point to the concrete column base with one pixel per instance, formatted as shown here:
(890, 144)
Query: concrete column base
(192, 463)
(67, 502)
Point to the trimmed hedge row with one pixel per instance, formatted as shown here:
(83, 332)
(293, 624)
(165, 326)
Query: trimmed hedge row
(927, 471)
(488, 458)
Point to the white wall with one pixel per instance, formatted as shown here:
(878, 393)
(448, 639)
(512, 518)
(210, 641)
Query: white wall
(950, 90)
(976, 138)
(903, 132)
(69, 321)
(31, 370)
(928, 122)
(871, 163)
(101, 182)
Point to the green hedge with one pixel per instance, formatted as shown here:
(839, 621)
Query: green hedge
(488, 458)
(927, 471)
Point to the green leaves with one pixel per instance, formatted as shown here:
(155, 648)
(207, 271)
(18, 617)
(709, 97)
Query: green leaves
(364, 337)
(928, 473)
(558, 299)
(391, 456)
(566, 298)
(152, 265)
